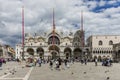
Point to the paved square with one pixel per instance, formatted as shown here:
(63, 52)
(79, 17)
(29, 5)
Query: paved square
(77, 71)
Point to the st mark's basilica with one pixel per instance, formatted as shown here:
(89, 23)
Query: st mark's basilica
(54, 44)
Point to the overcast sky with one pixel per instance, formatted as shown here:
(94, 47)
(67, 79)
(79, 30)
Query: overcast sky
(100, 17)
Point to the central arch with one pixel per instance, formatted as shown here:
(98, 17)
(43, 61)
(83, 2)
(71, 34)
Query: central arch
(77, 53)
(54, 51)
(30, 51)
(68, 53)
(53, 40)
(40, 52)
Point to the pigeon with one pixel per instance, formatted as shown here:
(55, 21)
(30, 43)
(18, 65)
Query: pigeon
(106, 71)
(22, 66)
(72, 73)
(13, 73)
(84, 72)
(10, 71)
(5, 73)
(108, 78)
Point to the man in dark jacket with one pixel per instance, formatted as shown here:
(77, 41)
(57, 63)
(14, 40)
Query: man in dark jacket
(1, 61)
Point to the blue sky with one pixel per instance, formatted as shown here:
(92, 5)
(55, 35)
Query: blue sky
(101, 17)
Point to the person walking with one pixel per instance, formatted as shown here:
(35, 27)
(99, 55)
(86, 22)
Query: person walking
(39, 62)
(96, 61)
(1, 61)
(51, 64)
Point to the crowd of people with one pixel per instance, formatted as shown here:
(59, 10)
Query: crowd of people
(58, 63)
(2, 60)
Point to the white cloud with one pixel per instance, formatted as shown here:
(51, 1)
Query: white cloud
(102, 3)
(38, 17)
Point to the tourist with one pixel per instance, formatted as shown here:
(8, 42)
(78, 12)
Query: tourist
(82, 61)
(57, 64)
(35, 61)
(51, 64)
(65, 62)
(1, 61)
(96, 61)
(59, 61)
(85, 61)
(39, 62)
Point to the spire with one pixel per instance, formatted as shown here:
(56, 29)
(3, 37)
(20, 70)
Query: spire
(82, 20)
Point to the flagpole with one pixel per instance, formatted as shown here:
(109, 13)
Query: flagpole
(23, 32)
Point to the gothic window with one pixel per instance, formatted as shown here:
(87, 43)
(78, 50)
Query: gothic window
(100, 42)
(110, 42)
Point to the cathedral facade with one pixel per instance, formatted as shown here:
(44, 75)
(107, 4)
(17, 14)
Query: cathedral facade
(52, 45)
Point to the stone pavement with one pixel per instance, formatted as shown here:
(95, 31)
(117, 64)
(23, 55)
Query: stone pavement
(76, 71)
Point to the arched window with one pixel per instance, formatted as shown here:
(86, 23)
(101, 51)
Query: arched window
(100, 42)
(110, 42)
(98, 52)
(53, 39)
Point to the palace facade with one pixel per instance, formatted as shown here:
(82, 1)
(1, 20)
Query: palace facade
(101, 46)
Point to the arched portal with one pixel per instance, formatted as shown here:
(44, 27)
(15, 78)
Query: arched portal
(67, 52)
(30, 51)
(40, 52)
(78, 53)
(54, 51)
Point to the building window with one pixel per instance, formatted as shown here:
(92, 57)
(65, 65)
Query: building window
(98, 52)
(100, 43)
(110, 42)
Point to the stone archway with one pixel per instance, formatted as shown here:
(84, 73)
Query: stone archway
(40, 52)
(54, 51)
(68, 53)
(54, 55)
(30, 51)
(78, 53)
